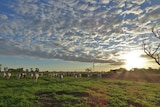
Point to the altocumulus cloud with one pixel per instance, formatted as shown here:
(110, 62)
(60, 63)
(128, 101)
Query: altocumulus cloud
(75, 30)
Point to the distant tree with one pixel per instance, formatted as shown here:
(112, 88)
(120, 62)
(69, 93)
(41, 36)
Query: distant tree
(88, 70)
(5, 69)
(37, 70)
(150, 68)
(20, 69)
(153, 51)
(122, 70)
(31, 69)
(11, 70)
(27, 70)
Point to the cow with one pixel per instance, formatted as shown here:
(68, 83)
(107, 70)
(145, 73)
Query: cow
(21, 75)
(6, 75)
(60, 76)
(36, 76)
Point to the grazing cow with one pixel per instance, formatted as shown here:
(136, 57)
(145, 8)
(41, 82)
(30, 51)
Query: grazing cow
(31, 75)
(89, 75)
(75, 75)
(56, 74)
(8, 75)
(99, 75)
(79, 75)
(21, 75)
(36, 76)
(4, 74)
(18, 75)
(60, 76)
(51, 74)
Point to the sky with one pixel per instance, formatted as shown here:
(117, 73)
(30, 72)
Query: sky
(71, 35)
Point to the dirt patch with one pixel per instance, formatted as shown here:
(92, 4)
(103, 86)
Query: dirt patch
(96, 99)
(47, 99)
(75, 94)
(93, 98)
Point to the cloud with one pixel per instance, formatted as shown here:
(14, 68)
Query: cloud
(75, 30)
(138, 2)
(9, 48)
(3, 17)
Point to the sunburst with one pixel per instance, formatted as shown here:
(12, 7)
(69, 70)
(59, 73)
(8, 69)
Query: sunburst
(133, 60)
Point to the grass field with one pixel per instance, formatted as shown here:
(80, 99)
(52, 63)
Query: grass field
(80, 92)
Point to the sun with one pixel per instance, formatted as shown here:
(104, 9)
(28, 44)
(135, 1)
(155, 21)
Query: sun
(133, 60)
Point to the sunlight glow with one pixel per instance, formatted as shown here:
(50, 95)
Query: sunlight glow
(133, 60)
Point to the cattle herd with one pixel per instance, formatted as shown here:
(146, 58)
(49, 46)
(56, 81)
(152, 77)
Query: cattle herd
(60, 75)
(20, 75)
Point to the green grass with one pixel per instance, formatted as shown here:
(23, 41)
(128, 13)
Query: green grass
(80, 92)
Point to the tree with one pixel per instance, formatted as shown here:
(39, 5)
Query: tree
(153, 52)
(31, 69)
(88, 70)
(5, 69)
(27, 70)
(37, 70)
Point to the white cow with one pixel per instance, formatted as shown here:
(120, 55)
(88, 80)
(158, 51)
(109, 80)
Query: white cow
(60, 76)
(79, 75)
(4, 74)
(51, 74)
(31, 75)
(21, 75)
(75, 75)
(18, 75)
(8, 75)
(36, 76)
(99, 75)
(89, 75)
